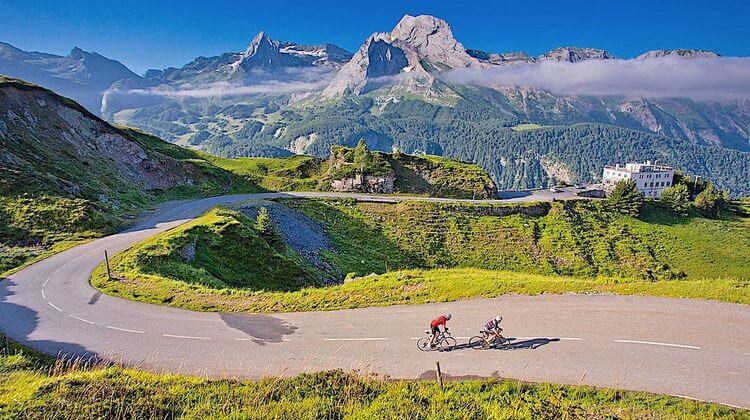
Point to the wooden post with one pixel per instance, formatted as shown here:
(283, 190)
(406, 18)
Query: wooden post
(439, 375)
(106, 259)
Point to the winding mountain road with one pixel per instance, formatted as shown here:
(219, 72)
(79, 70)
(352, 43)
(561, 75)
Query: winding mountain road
(692, 348)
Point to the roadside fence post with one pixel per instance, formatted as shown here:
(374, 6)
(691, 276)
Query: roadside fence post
(106, 258)
(439, 375)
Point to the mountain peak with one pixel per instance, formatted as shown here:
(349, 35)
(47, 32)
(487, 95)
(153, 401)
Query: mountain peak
(260, 42)
(408, 25)
(431, 39)
(77, 53)
(420, 31)
(681, 53)
(575, 54)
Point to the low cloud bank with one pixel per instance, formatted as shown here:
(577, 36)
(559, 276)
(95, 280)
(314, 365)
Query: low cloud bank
(290, 80)
(229, 89)
(703, 79)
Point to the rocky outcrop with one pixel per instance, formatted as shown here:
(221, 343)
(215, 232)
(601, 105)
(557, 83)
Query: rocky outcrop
(366, 183)
(361, 170)
(54, 145)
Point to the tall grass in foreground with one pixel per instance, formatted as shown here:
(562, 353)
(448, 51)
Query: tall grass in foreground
(30, 388)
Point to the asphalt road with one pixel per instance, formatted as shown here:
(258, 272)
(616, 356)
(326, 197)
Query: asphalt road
(691, 348)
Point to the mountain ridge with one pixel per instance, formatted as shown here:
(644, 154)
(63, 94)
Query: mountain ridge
(279, 98)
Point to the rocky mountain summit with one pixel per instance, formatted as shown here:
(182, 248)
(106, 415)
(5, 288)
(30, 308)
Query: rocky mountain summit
(264, 58)
(574, 54)
(415, 49)
(677, 54)
(81, 75)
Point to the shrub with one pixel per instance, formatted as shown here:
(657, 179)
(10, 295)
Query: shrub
(263, 222)
(677, 198)
(626, 198)
(710, 201)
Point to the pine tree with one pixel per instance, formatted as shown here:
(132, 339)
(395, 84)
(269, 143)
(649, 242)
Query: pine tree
(676, 197)
(626, 198)
(362, 157)
(263, 222)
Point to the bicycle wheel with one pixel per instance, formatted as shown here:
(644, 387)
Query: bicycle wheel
(424, 344)
(477, 342)
(448, 343)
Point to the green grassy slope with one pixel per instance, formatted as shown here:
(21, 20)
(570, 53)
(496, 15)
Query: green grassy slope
(221, 249)
(579, 238)
(61, 181)
(38, 390)
(427, 252)
(295, 173)
(414, 174)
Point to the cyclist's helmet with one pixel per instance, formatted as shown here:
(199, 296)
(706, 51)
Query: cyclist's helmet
(498, 319)
(447, 316)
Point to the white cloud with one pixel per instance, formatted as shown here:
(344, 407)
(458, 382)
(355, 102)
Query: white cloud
(699, 79)
(291, 80)
(228, 89)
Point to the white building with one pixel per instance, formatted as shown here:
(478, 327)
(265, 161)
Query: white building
(650, 179)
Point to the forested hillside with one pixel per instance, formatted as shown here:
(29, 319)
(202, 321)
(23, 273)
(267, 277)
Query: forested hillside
(481, 133)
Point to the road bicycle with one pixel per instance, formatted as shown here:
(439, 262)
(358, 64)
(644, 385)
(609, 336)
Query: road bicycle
(443, 342)
(480, 342)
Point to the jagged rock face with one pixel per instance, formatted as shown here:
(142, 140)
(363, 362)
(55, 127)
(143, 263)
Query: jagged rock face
(418, 47)
(499, 59)
(263, 58)
(678, 53)
(432, 39)
(39, 127)
(365, 183)
(383, 60)
(574, 54)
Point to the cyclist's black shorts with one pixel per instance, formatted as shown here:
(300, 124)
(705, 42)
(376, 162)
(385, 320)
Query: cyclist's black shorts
(435, 330)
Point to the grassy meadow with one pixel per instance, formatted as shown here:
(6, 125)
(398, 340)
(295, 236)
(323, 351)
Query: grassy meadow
(425, 252)
(33, 388)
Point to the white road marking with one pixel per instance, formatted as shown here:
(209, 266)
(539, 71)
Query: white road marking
(655, 343)
(255, 339)
(56, 308)
(82, 320)
(43, 295)
(45, 283)
(187, 337)
(357, 339)
(125, 330)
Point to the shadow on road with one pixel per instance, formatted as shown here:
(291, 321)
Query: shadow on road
(526, 344)
(19, 323)
(513, 194)
(261, 329)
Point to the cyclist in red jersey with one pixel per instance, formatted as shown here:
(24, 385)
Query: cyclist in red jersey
(435, 327)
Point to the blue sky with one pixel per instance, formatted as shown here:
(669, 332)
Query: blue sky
(158, 34)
